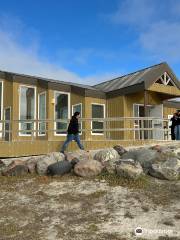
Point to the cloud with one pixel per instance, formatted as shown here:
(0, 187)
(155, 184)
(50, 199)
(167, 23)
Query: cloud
(162, 39)
(16, 58)
(157, 26)
(20, 56)
(134, 13)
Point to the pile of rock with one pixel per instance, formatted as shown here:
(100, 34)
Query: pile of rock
(162, 162)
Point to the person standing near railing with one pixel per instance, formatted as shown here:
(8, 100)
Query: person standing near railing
(173, 124)
(73, 132)
(177, 127)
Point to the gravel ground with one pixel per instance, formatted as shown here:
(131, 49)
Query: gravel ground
(69, 207)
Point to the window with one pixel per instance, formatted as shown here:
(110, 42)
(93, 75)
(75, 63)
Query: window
(98, 111)
(42, 114)
(78, 108)
(27, 109)
(1, 106)
(61, 112)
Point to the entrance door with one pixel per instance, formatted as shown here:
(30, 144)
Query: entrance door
(7, 117)
(152, 111)
(157, 111)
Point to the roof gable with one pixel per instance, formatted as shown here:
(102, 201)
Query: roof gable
(145, 76)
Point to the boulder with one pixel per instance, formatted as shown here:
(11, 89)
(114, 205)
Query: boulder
(59, 168)
(43, 163)
(146, 157)
(177, 152)
(106, 155)
(56, 156)
(88, 168)
(16, 170)
(80, 154)
(169, 170)
(2, 167)
(129, 168)
(121, 150)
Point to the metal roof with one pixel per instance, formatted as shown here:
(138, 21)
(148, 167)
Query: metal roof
(145, 76)
(133, 78)
(52, 80)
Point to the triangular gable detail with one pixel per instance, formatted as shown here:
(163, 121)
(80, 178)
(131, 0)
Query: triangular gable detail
(166, 80)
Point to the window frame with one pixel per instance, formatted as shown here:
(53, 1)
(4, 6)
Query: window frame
(104, 108)
(69, 111)
(81, 113)
(38, 128)
(35, 102)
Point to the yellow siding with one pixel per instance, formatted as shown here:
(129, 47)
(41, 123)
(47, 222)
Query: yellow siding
(115, 108)
(171, 90)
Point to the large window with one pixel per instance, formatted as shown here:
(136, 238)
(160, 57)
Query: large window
(27, 109)
(98, 111)
(78, 108)
(61, 112)
(42, 114)
(1, 106)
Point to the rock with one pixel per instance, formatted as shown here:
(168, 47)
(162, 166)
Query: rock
(16, 170)
(169, 170)
(59, 168)
(106, 155)
(121, 150)
(43, 163)
(129, 168)
(2, 167)
(158, 148)
(80, 154)
(177, 152)
(88, 168)
(146, 157)
(110, 166)
(56, 156)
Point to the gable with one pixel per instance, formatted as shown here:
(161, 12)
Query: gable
(166, 80)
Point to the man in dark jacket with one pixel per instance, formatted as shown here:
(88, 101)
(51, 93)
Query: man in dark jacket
(173, 120)
(177, 127)
(73, 132)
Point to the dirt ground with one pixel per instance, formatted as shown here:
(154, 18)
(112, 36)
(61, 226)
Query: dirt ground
(70, 207)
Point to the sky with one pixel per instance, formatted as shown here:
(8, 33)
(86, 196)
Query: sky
(88, 41)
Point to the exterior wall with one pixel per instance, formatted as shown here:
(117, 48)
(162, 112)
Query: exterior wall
(115, 108)
(168, 111)
(171, 90)
(38, 147)
(137, 98)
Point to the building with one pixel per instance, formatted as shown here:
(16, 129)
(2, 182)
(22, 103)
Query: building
(34, 110)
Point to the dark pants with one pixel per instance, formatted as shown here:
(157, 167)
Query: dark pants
(172, 133)
(71, 137)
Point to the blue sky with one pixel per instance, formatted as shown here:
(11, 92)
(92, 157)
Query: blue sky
(88, 41)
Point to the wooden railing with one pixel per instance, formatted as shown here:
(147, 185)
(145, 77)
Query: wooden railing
(107, 128)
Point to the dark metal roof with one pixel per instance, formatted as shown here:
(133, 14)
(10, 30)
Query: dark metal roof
(136, 80)
(146, 76)
(51, 80)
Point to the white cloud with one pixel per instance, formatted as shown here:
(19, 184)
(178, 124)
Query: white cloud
(162, 39)
(157, 26)
(16, 58)
(19, 56)
(134, 12)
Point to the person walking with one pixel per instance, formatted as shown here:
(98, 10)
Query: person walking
(177, 126)
(73, 133)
